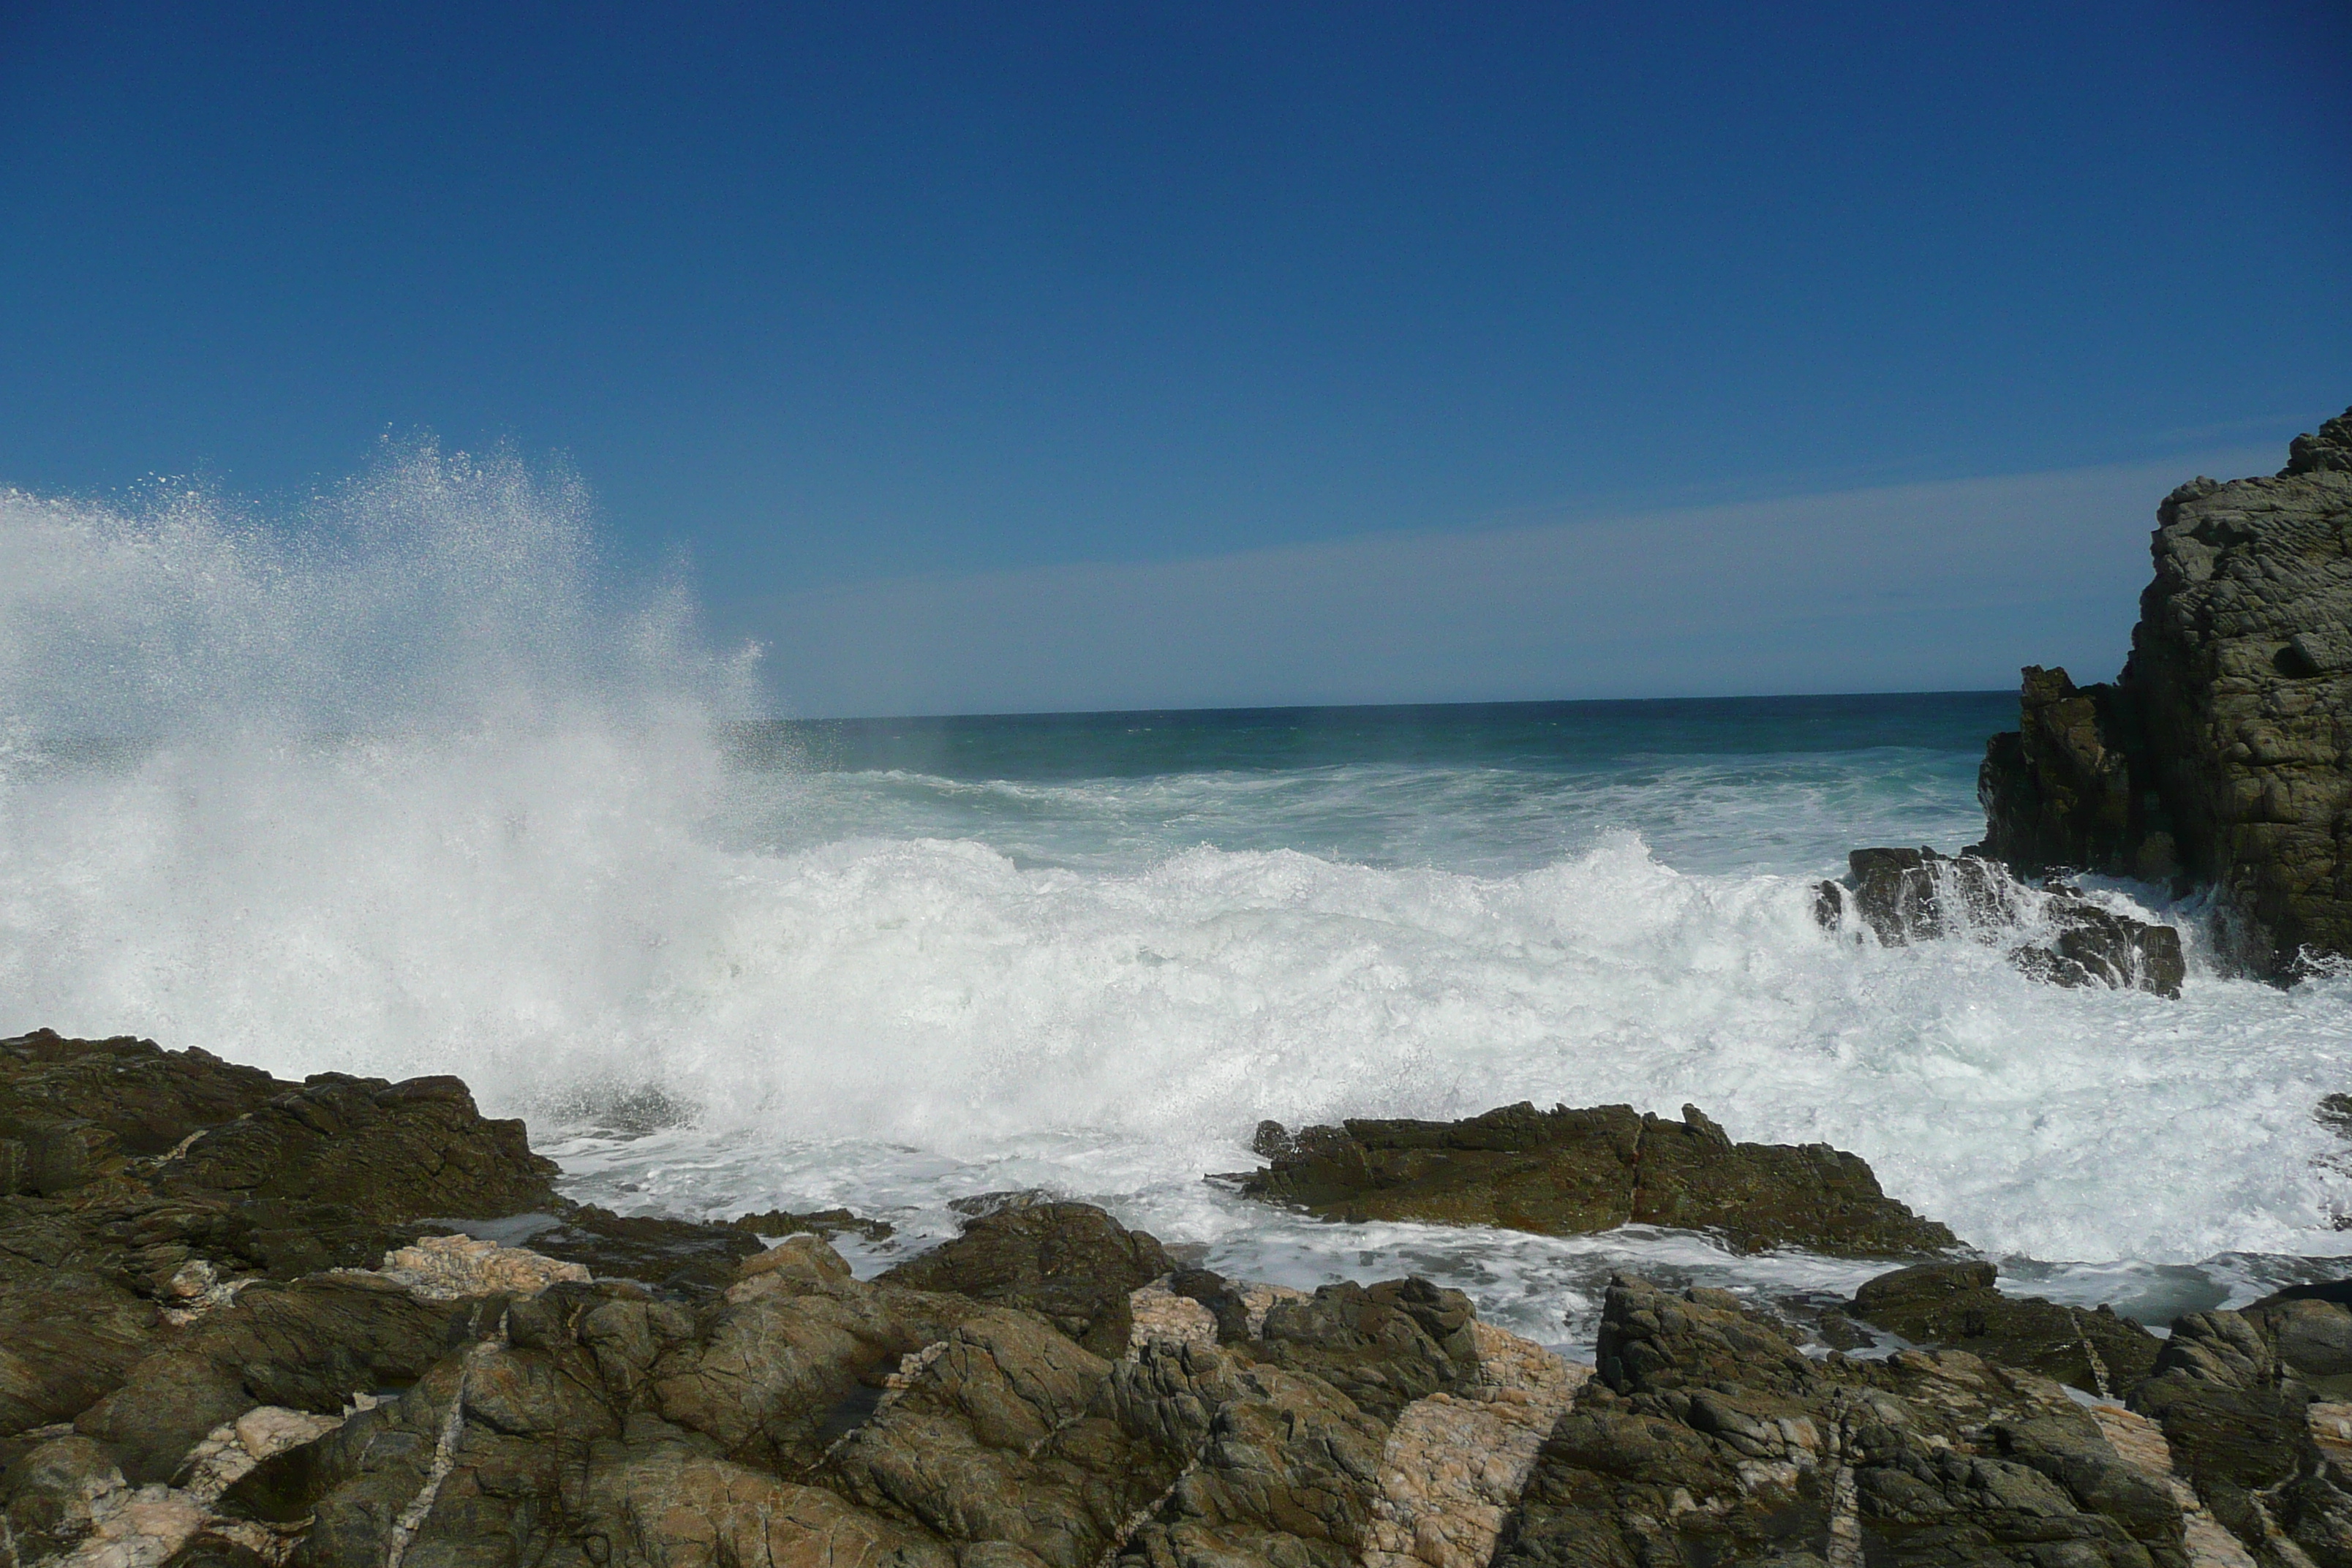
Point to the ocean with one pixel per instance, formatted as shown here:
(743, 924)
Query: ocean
(415, 782)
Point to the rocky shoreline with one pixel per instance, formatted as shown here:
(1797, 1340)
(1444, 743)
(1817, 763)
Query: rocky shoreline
(242, 1322)
(350, 1324)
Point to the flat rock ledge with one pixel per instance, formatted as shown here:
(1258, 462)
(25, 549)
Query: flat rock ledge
(1573, 1173)
(1047, 1390)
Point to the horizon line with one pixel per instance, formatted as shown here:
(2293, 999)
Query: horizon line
(1360, 707)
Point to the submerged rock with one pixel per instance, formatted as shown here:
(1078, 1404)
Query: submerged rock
(1902, 896)
(827, 1223)
(676, 1254)
(1571, 1173)
(2218, 756)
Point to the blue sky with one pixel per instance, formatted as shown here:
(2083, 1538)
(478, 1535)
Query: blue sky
(1031, 356)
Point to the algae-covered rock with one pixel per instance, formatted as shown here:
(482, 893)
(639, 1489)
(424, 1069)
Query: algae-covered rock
(1571, 1173)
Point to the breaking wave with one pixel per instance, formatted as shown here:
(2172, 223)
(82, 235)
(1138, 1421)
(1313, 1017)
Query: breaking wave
(413, 782)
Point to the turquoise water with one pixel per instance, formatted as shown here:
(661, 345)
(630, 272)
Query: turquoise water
(1771, 783)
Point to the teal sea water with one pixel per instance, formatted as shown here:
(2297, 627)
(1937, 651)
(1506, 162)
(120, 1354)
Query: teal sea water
(1723, 784)
(421, 790)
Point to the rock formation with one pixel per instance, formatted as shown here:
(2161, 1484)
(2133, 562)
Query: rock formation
(1711, 1436)
(1031, 1394)
(1571, 1173)
(2221, 755)
(2053, 931)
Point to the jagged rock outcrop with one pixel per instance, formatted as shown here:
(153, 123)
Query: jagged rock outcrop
(1071, 1262)
(1710, 1437)
(174, 1393)
(2241, 1428)
(1955, 1305)
(477, 1405)
(2222, 754)
(1571, 1173)
(2053, 933)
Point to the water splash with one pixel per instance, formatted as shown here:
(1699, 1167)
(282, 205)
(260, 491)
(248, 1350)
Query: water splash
(414, 784)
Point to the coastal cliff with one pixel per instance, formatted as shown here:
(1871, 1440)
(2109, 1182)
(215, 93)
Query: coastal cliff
(2222, 754)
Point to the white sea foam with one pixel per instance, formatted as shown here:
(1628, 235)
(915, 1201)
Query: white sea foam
(419, 791)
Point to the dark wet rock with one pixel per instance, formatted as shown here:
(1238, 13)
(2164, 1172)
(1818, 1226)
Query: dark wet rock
(1917, 895)
(1287, 1473)
(2310, 1333)
(122, 1100)
(45, 1495)
(2239, 1428)
(67, 1338)
(1841, 1332)
(1215, 1292)
(2062, 792)
(611, 1424)
(2218, 756)
(1709, 1438)
(687, 1256)
(1071, 1262)
(1002, 1438)
(372, 1150)
(1902, 896)
(1956, 1304)
(1383, 1347)
(2098, 947)
(753, 1403)
(311, 1345)
(1569, 1172)
(773, 1359)
(663, 1502)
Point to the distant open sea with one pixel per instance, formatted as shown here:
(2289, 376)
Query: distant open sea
(415, 806)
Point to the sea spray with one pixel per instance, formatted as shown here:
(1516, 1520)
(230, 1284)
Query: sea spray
(410, 783)
(398, 779)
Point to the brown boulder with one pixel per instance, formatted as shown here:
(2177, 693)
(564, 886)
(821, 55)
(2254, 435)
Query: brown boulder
(1708, 1436)
(1384, 1346)
(307, 1346)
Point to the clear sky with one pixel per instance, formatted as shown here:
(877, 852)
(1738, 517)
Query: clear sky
(1033, 356)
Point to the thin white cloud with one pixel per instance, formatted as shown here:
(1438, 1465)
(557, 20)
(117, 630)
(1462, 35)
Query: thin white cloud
(1915, 587)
